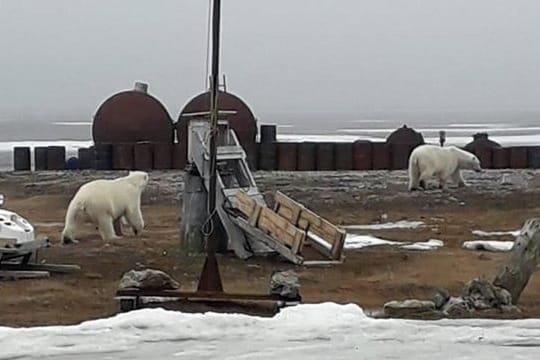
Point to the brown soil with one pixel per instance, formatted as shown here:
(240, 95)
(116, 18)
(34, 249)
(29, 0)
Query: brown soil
(368, 277)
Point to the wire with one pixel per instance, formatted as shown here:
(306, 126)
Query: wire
(207, 75)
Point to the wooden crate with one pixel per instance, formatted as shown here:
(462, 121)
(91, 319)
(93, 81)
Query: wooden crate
(280, 229)
(326, 237)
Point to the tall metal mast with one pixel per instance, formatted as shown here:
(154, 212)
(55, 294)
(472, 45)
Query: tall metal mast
(210, 279)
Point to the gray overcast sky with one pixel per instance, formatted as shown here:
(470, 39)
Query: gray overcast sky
(281, 56)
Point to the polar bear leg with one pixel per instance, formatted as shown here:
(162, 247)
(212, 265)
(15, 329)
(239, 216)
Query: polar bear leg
(72, 223)
(135, 219)
(458, 179)
(106, 228)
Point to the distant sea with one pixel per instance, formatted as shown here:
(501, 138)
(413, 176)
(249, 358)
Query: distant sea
(506, 127)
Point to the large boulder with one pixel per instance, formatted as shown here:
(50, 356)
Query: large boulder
(285, 284)
(148, 279)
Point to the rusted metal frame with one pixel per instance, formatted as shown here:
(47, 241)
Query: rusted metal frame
(201, 295)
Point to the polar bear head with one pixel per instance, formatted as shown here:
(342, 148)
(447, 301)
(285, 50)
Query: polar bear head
(466, 160)
(138, 178)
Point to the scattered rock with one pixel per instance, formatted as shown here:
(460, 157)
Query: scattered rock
(457, 307)
(91, 275)
(440, 297)
(407, 308)
(285, 284)
(148, 279)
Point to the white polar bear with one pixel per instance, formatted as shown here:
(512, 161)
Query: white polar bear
(103, 202)
(445, 163)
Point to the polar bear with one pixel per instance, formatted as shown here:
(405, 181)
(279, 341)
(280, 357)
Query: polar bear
(103, 202)
(445, 163)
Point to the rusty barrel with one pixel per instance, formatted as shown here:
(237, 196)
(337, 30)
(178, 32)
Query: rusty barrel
(252, 153)
(21, 158)
(500, 158)
(400, 156)
(268, 133)
(484, 154)
(179, 156)
(86, 158)
(56, 158)
(518, 157)
(325, 156)
(267, 156)
(143, 156)
(162, 156)
(381, 156)
(287, 155)
(103, 156)
(343, 154)
(533, 157)
(306, 156)
(362, 155)
(122, 157)
(40, 158)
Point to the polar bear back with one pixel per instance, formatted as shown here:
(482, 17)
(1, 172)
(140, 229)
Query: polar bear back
(112, 197)
(440, 159)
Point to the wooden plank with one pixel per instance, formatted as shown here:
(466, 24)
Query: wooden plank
(269, 241)
(244, 203)
(16, 275)
(287, 207)
(54, 268)
(280, 228)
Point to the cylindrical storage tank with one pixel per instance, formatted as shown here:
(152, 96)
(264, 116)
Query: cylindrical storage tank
(533, 157)
(243, 122)
(86, 158)
(21, 158)
(132, 116)
(56, 158)
(103, 156)
(325, 157)
(343, 154)
(267, 156)
(287, 156)
(362, 155)
(306, 156)
(143, 156)
(400, 156)
(500, 158)
(406, 136)
(162, 156)
(381, 156)
(179, 156)
(252, 153)
(518, 157)
(123, 157)
(268, 133)
(40, 158)
(484, 154)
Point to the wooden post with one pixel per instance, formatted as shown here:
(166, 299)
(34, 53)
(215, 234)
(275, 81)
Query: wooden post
(194, 212)
(521, 263)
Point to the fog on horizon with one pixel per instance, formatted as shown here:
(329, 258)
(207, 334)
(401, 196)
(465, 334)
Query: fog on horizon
(283, 57)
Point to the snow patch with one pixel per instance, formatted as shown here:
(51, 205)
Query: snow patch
(488, 245)
(314, 331)
(354, 241)
(402, 224)
(495, 233)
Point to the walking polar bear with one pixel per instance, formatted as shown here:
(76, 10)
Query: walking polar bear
(444, 163)
(103, 202)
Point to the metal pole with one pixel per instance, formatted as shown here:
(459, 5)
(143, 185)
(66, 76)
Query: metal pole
(214, 84)
(210, 278)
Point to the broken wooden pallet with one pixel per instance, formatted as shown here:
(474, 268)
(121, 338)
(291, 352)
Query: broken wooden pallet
(289, 226)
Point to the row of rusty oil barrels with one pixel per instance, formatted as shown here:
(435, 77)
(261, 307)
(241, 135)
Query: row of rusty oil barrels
(283, 156)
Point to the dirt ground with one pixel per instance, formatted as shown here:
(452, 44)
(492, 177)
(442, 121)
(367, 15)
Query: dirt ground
(495, 200)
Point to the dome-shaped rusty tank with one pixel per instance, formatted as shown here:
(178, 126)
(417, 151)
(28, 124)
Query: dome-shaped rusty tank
(243, 122)
(481, 140)
(132, 116)
(405, 136)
